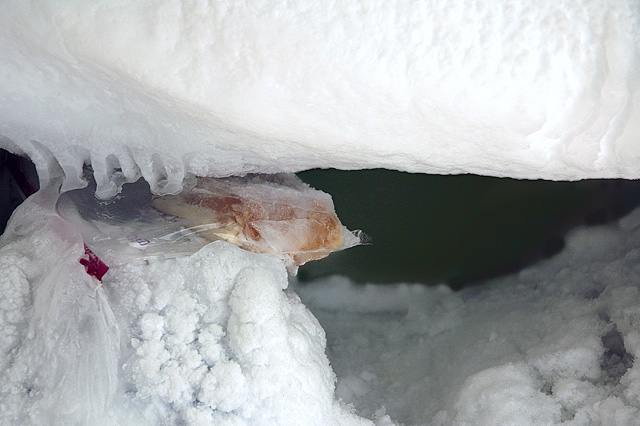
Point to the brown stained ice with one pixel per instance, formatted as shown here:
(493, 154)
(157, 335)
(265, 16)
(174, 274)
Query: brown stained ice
(276, 214)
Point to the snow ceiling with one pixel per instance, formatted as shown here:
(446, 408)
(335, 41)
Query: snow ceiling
(168, 89)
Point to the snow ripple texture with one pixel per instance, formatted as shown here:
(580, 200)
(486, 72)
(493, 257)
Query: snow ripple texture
(531, 89)
(210, 338)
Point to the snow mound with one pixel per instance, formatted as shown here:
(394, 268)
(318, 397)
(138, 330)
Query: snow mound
(210, 338)
(166, 91)
(555, 344)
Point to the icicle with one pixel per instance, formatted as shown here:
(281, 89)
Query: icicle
(164, 175)
(46, 164)
(72, 163)
(102, 173)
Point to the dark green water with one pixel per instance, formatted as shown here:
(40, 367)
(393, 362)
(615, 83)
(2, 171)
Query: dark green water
(457, 229)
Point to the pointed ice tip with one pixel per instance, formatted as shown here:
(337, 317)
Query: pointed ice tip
(354, 238)
(364, 239)
(292, 267)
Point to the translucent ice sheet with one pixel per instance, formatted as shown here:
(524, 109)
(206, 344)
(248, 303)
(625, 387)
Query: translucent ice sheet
(275, 214)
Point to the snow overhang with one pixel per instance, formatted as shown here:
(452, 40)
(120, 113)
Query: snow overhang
(166, 90)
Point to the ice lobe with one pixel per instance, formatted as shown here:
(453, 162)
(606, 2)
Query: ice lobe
(210, 338)
(169, 91)
(276, 214)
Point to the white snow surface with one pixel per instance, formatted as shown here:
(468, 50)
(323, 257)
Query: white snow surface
(169, 89)
(555, 344)
(210, 338)
(219, 337)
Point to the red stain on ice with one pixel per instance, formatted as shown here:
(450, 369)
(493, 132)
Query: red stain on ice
(92, 263)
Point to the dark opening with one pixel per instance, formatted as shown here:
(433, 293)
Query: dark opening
(461, 229)
(13, 168)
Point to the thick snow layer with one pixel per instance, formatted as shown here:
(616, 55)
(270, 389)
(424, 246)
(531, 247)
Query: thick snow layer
(210, 338)
(554, 344)
(536, 89)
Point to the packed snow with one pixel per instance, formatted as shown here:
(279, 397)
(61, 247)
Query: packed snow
(171, 90)
(209, 338)
(167, 90)
(554, 344)
(222, 336)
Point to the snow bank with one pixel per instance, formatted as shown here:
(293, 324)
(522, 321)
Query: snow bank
(210, 338)
(168, 89)
(555, 344)
(215, 338)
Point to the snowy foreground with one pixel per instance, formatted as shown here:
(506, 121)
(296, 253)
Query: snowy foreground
(217, 338)
(554, 344)
(205, 339)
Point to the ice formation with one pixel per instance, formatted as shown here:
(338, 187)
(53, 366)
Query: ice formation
(210, 338)
(168, 90)
(171, 90)
(218, 337)
(276, 214)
